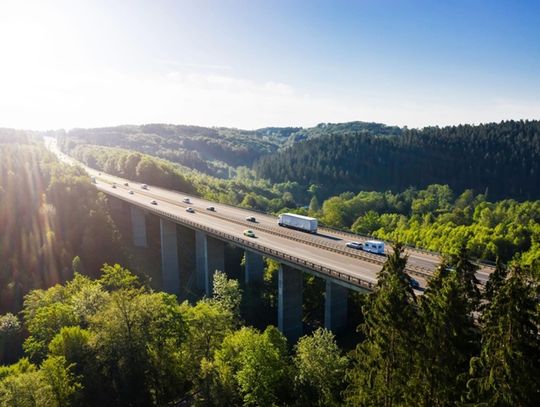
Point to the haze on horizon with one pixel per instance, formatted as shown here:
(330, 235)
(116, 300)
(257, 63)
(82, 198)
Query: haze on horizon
(251, 64)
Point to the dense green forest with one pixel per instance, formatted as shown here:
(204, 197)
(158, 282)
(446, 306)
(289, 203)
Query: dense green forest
(209, 150)
(436, 219)
(501, 160)
(214, 151)
(49, 213)
(113, 341)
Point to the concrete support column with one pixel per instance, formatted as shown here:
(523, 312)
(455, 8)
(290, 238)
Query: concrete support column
(290, 287)
(169, 257)
(138, 227)
(254, 268)
(335, 306)
(210, 256)
(201, 259)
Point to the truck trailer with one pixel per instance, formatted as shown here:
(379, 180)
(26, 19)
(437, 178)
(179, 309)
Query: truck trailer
(299, 222)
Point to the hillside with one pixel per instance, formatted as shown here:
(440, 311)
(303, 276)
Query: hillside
(211, 150)
(500, 159)
(49, 213)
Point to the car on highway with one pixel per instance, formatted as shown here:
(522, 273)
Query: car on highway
(249, 233)
(211, 209)
(126, 184)
(153, 202)
(131, 192)
(414, 283)
(113, 186)
(251, 219)
(190, 210)
(186, 200)
(144, 186)
(354, 245)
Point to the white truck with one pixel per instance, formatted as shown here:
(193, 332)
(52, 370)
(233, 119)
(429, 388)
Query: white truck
(300, 222)
(374, 246)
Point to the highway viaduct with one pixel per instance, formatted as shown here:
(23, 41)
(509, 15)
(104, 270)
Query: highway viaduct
(324, 255)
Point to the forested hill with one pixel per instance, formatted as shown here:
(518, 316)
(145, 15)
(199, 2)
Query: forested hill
(502, 159)
(211, 150)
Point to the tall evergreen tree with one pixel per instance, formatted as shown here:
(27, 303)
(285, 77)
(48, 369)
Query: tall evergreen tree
(448, 342)
(383, 362)
(507, 372)
(466, 271)
(496, 279)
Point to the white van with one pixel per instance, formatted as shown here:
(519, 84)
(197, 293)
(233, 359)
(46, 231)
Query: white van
(374, 246)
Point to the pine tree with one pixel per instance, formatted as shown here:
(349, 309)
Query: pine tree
(507, 371)
(466, 271)
(383, 362)
(496, 279)
(447, 345)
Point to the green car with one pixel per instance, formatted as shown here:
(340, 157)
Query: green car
(249, 233)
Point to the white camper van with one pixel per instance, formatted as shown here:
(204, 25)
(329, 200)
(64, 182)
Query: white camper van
(374, 246)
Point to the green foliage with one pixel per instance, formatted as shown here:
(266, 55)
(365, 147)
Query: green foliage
(214, 151)
(506, 372)
(252, 366)
(383, 363)
(116, 277)
(488, 230)
(227, 294)
(59, 377)
(24, 385)
(48, 212)
(447, 342)
(345, 157)
(320, 369)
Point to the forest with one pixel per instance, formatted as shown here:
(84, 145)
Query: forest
(49, 213)
(500, 160)
(215, 151)
(114, 341)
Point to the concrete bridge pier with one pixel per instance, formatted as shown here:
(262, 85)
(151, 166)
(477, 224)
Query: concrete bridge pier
(170, 271)
(290, 298)
(254, 268)
(210, 256)
(335, 306)
(138, 227)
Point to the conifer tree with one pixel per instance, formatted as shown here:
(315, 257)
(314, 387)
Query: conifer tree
(466, 271)
(507, 371)
(383, 362)
(447, 344)
(496, 279)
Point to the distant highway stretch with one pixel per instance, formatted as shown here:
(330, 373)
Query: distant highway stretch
(327, 248)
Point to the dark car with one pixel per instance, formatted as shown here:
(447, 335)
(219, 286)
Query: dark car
(414, 284)
(355, 245)
(251, 219)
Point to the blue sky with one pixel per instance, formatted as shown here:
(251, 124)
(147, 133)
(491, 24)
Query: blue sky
(252, 64)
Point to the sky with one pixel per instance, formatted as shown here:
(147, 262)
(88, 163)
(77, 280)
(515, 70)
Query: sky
(252, 64)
